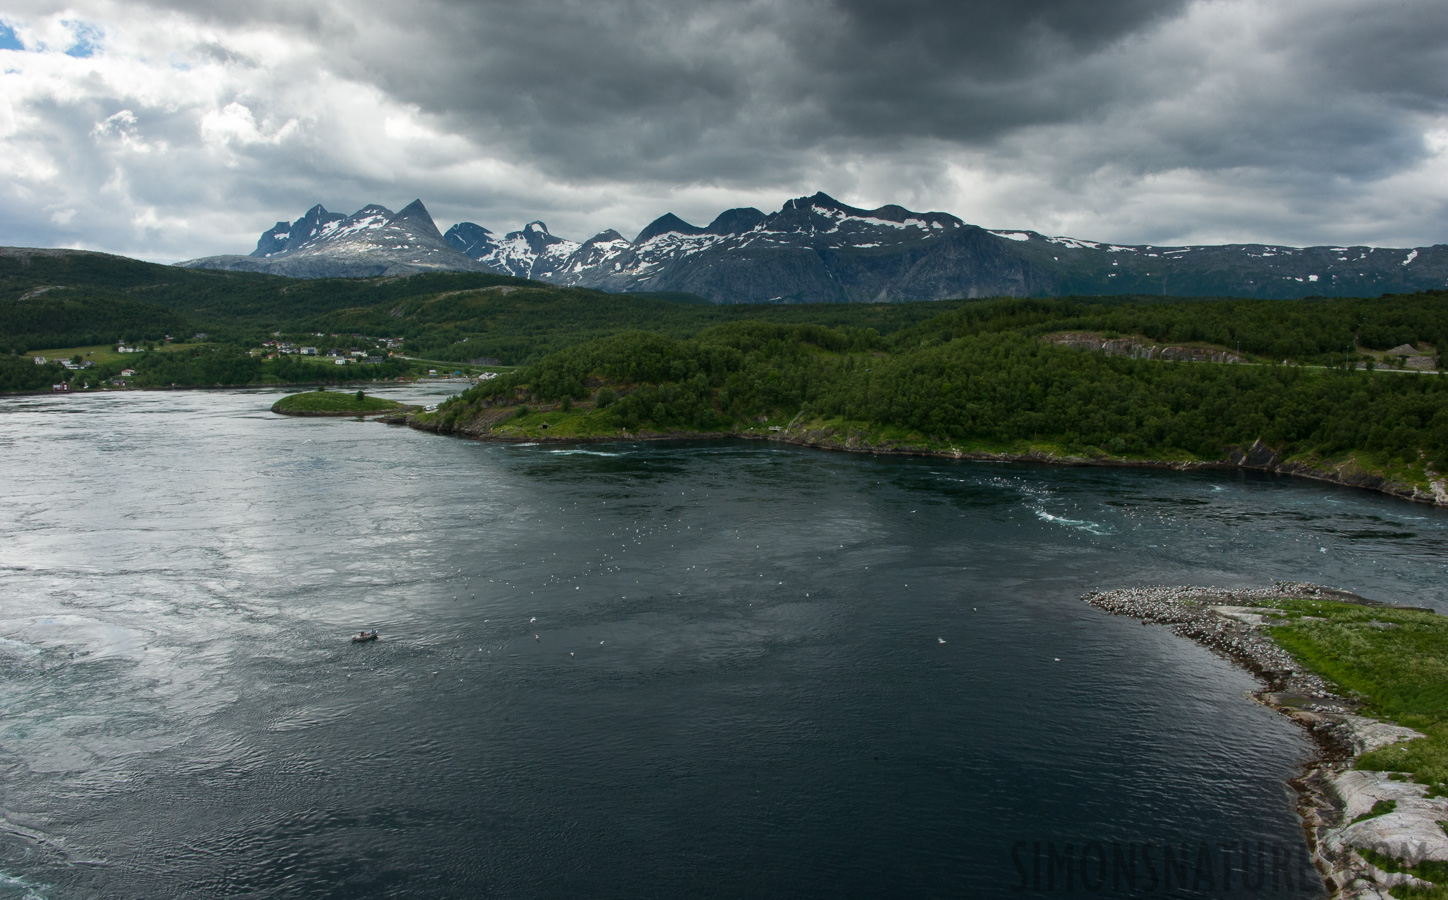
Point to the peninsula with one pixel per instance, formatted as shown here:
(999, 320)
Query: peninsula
(1368, 681)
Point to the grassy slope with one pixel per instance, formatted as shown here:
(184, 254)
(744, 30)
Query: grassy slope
(1395, 660)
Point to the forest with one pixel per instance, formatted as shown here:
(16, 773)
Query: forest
(966, 381)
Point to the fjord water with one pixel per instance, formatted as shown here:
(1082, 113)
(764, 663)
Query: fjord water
(625, 670)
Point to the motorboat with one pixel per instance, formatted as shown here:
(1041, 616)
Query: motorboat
(361, 636)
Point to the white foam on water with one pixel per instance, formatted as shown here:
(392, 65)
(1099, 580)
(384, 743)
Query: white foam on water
(583, 453)
(1078, 524)
(13, 886)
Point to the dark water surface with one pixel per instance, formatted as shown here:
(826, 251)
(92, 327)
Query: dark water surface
(703, 670)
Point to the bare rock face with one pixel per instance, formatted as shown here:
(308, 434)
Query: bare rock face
(372, 241)
(1137, 348)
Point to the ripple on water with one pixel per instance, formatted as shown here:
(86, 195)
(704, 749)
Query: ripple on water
(736, 688)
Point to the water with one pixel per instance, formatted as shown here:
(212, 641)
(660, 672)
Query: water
(735, 685)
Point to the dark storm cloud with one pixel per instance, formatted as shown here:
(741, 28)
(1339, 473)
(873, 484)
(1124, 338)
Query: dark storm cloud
(734, 88)
(1126, 120)
(736, 92)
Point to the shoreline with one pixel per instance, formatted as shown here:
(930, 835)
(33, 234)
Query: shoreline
(1336, 803)
(251, 386)
(335, 413)
(1257, 457)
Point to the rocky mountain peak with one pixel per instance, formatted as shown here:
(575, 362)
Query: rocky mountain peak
(285, 237)
(471, 239)
(817, 249)
(416, 218)
(666, 224)
(736, 221)
(607, 236)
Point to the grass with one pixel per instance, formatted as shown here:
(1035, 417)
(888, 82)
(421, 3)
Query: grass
(100, 354)
(1394, 660)
(1428, 870)
(1381, 808)
(333, 402)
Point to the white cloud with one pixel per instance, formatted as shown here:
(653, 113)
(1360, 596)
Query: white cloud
(187, 130)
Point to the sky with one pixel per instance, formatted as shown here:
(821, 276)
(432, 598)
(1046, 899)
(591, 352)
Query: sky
(173, 129)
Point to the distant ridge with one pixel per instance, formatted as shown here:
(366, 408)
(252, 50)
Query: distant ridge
(817, 249)
(372, 241)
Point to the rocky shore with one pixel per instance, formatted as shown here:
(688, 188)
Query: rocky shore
(1339, 805)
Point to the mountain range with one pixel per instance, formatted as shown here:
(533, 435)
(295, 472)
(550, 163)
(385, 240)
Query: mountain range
(817, 249)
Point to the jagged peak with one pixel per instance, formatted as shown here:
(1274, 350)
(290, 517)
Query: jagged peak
(414, 208)
(819, 200)
(372, 209)
(537, 226)
(417, 214)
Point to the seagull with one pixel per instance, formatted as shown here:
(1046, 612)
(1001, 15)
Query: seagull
(570, 654)
(941, 639)
(600, 643)
(1055, 659)
(535, 637)
(532, 620)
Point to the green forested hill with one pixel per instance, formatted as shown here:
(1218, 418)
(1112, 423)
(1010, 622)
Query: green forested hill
(972, 390)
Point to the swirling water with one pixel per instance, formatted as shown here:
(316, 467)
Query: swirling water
(625, 670)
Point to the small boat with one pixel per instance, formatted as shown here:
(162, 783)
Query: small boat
(361, 636)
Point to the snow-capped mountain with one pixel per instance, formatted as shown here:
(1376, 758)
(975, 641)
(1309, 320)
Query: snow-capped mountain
(286, 236)
(816, 249)
(372, 241)
(532, 252)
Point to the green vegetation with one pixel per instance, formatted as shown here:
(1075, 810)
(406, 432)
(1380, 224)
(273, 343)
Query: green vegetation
(1394, 660)
(1380, 808)
(332, 402)
(963, 375)
(1001, 391)
(1428, 870)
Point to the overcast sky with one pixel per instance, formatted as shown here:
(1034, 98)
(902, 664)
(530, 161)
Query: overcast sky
(169, 129)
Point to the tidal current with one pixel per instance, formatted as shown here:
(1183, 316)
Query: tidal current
(631, 670)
